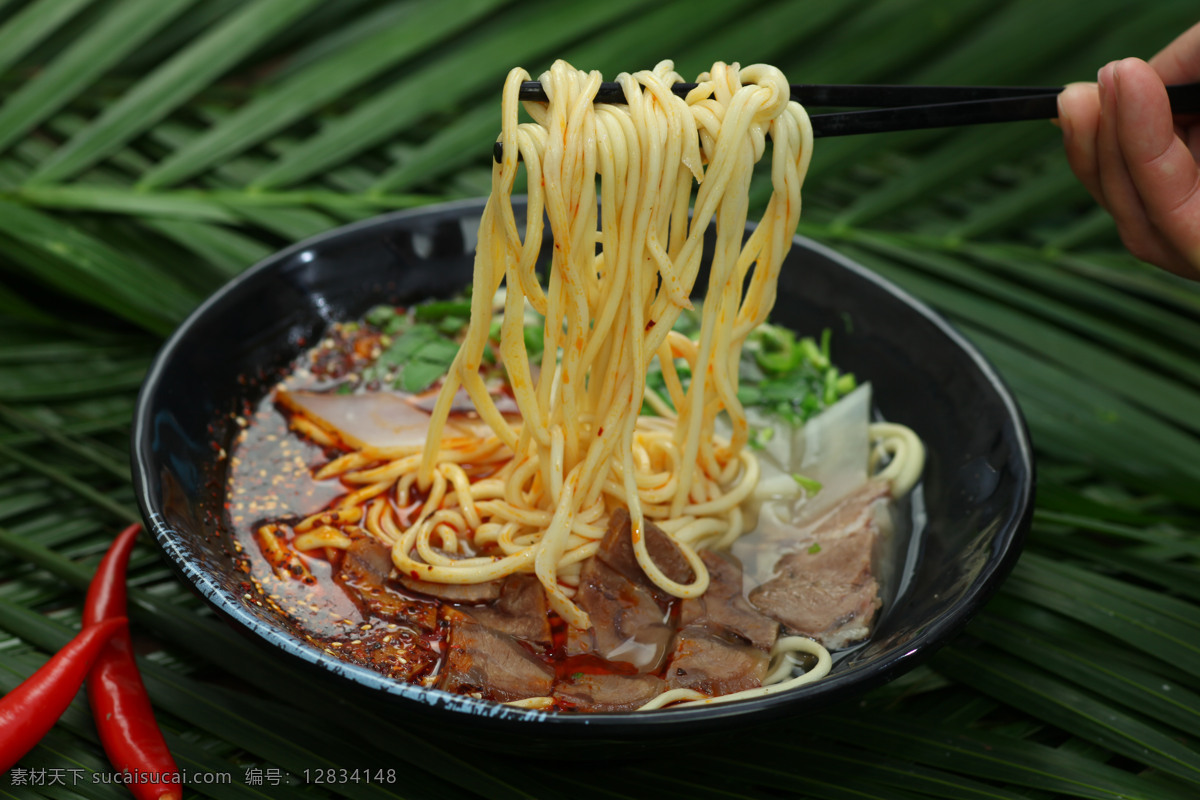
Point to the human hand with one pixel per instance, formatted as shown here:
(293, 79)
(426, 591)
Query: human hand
(1141, 164)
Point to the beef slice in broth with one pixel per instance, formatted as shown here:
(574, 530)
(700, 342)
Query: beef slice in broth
(520, 611)
(628, 612)
(590, 693)
(724, 606)
(366, 566)
(627, 622)
(468, 593)
(825, 589)
(714, 663)
(616, 550)
(489, 663)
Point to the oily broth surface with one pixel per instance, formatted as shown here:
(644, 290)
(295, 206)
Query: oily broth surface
(270, 477)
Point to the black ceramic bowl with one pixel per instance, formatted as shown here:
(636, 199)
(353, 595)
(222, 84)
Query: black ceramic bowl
(978, 480)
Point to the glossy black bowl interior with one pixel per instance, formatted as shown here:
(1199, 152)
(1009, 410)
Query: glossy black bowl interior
(978, 482)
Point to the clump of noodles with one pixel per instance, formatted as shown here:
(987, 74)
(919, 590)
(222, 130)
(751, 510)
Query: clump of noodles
(900, 452)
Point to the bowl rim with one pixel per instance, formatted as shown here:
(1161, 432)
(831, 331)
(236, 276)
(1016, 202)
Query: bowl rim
(934, 634)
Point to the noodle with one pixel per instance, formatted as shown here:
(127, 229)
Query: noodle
(903, 452)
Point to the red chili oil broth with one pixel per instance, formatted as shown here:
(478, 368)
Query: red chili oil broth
(270, 480)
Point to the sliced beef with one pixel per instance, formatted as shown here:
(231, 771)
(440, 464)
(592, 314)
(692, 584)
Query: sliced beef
(366, 565)
(713, 663)
(853, 512)
(399, 654)
(589, 693)
(627, 623)
(724, 606)
(826, 591)
(489, 663)
(521, 610)
(367, 562)
(616, 550)
(468, 593)
(824, 587)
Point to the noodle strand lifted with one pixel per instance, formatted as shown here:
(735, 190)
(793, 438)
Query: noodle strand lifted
(539, 490)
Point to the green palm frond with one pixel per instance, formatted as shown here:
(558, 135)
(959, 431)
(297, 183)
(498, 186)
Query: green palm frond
(152, 149)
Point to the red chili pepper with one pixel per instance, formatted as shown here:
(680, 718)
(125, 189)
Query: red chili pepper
(120, 705)
(31, 709)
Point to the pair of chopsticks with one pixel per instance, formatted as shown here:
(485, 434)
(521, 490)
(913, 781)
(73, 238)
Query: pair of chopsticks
(901, 108)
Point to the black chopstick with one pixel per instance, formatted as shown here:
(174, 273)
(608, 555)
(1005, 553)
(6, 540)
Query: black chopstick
(1185, 99)
(858, 95)
(901, 108)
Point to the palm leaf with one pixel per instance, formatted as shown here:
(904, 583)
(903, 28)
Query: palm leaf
(150, 150)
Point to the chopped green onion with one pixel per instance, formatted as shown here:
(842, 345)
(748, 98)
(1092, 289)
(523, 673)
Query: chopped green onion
(829, 390)
(779, 353)
(807, 484)
(816, 548)
(812, 354)
(760, 436)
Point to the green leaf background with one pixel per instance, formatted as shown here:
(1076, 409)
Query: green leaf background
(152, 149)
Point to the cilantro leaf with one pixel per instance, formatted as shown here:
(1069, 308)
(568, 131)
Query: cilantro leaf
(379, 316)
(419, 375)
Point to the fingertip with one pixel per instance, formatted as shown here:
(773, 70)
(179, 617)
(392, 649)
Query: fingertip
(1129, 69)
(1131, 62)
(1077, 103)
